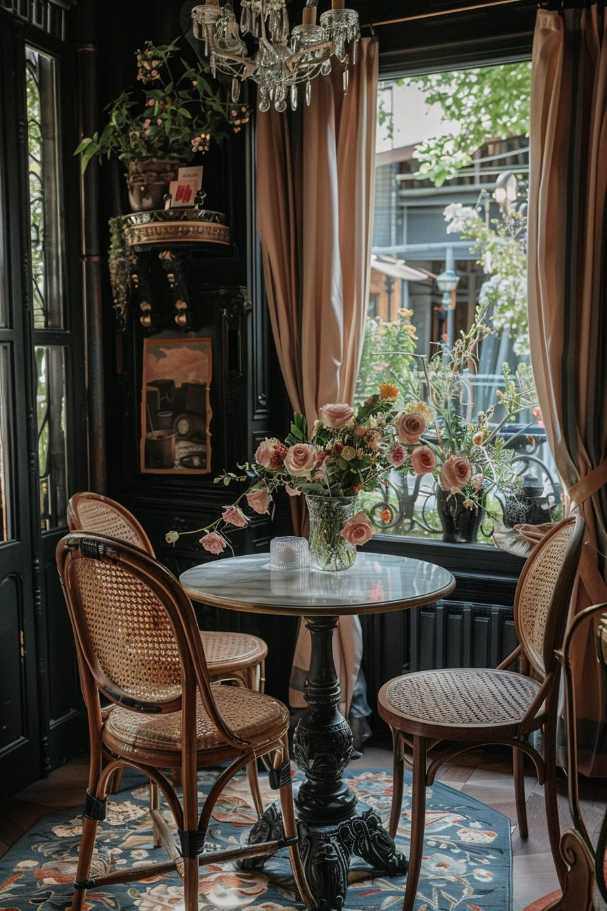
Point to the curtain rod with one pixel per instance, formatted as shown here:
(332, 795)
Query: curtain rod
(446, 12)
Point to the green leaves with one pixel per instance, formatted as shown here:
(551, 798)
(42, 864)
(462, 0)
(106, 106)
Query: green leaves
(173, 105)
(87, 149)
(479, 105)
(298, 431)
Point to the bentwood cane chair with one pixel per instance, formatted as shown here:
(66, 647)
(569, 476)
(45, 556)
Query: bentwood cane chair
(138, 646)
(237, 658)
(436, 715)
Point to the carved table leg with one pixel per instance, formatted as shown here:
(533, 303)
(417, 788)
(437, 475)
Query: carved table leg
(330, 833)
(322, 745)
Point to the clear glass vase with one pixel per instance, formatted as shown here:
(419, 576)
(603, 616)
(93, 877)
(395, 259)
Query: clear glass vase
(328, 515)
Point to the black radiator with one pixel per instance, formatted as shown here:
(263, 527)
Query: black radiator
(445, 634)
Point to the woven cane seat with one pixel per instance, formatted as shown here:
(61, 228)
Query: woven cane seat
(223, 650)
(464, 698)
(250, 715)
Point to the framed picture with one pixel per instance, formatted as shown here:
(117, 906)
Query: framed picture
(176, 406)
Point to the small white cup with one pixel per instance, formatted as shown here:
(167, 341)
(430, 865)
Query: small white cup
(289, 553)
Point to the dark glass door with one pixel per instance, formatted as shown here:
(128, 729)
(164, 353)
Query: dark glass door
(42, 404)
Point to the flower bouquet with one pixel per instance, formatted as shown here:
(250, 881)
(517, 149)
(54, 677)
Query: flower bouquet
(461, 448)
(347, 451)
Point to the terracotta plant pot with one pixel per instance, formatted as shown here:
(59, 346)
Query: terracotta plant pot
(148, 182)
(460, 525)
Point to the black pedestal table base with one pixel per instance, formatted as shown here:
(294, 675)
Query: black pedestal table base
(331, 832)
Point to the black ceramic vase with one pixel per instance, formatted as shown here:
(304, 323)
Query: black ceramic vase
(460, 525)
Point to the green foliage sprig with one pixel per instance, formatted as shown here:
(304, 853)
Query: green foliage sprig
(485, 103)
(172, 116)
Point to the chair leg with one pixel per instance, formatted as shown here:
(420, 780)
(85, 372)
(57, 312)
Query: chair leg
(154, 805)
(290, 830)
(89, 832)
(398, 772)
(551, 798)
(418, 820)
(254, 786)
(190, 883)
(518, 763)
(85, 855)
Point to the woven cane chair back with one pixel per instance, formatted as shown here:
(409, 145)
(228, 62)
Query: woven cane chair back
(132, 620)
(544, 592)
(91, 512)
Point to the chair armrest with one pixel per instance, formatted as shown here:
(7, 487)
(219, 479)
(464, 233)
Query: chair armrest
(507, 662)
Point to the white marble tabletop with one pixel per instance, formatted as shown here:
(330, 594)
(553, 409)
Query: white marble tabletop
(377, 583)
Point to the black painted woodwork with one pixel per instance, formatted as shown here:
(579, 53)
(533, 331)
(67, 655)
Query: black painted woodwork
(41, 720)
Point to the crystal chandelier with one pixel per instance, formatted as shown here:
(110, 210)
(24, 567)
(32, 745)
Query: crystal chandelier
(284, 59)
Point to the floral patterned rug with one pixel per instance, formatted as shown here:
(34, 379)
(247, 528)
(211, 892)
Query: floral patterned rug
(466, 865)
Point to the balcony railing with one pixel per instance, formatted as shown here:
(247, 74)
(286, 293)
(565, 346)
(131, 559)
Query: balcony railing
(406, 505)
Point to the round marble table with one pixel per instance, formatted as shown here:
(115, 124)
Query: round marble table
(330, 830)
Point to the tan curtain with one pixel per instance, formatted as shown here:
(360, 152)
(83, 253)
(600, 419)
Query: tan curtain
(315, 176)
(568, 299)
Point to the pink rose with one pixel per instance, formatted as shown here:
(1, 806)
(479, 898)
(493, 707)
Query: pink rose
(397, 455)
(423, 460)
(409, 427)
(455, 473)
(300, 459)
(358, 530)
(259, 500)
(214, 543)
(292, 491)
(334, 416)
(270, 454)
(232, 515)
(477, 482)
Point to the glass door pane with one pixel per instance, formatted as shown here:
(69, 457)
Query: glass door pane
(44, 190)
(52, 452)
(6, 518)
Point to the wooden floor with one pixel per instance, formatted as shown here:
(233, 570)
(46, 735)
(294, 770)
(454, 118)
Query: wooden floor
(486, 776)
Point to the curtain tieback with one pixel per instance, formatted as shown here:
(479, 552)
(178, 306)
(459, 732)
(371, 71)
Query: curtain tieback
(591, 484)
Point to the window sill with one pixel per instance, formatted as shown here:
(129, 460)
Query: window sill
(463, 560)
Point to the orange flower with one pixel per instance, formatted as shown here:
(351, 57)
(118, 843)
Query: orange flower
(388, 392)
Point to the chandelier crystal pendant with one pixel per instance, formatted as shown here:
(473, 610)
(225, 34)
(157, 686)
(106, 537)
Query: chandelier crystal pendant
(284, 59)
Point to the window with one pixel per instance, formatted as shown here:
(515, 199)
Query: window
(47, 280)
(450, 237)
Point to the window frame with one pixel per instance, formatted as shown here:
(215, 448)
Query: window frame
(53, 695)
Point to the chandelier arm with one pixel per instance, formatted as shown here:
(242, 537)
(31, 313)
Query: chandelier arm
(299, 55)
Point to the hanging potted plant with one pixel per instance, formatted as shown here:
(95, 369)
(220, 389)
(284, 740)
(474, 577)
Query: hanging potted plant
(173, 116)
